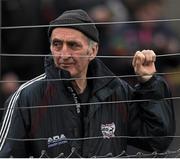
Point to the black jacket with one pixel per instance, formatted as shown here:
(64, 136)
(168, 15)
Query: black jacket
(43, 118)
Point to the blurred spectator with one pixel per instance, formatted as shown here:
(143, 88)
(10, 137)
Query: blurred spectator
(9, 86)
(158, 36)
(108, 11)
(50, 9)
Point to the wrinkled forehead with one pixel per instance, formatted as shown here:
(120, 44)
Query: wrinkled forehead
(68, 34)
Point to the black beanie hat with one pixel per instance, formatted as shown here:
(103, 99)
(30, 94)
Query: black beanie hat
(75, 17)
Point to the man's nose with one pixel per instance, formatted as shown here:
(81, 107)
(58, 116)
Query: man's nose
(65, 52)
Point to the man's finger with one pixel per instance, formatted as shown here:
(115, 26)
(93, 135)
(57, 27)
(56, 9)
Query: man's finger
(150, 56)
(138, 59)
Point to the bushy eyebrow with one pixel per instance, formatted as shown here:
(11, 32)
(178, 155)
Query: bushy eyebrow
(67, 41)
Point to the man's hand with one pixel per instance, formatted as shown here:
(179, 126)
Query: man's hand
(144, 64)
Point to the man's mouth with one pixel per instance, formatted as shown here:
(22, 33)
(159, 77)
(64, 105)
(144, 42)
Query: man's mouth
(66, 64)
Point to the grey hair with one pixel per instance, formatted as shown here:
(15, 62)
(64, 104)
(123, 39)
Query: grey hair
(91, 43)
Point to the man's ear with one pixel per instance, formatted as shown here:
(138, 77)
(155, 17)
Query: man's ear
(93, 51)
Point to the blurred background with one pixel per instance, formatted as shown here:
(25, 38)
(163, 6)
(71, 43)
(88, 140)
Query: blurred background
(115, 39)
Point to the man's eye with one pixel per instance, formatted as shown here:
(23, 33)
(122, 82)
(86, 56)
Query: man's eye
(73, 45)
(56, 43)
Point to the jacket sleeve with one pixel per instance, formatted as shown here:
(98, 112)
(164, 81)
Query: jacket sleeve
(151, 120)
(12, 129)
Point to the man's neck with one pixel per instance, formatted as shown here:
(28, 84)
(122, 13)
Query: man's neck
(80, 85)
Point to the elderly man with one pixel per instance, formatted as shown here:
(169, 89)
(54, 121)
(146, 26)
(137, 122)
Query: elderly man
(69, 111)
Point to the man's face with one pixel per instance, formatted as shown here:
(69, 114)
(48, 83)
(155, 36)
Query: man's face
(69, 48)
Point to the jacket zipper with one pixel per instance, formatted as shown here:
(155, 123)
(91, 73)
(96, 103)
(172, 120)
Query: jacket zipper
(75, 98)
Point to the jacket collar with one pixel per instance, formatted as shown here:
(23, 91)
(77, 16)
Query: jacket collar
(102, 76)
